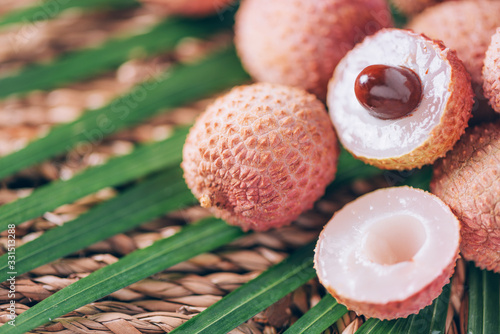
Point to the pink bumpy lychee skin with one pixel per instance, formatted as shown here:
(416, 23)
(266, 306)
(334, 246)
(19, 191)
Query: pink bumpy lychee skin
(388, 253)
(463, 26)
(192, 8)
(299, 42)
(261, 155)
(491, 72)
(467, 179)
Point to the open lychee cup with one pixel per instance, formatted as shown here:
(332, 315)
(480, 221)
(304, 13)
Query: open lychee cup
(389, 253)
(399, 100)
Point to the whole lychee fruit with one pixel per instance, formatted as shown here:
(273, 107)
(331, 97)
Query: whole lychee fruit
(491, 72)
(191, 8)
(464, 26)
(388, 253)
(261, 155)
(468, 180)
(399, 100)
(299, 42)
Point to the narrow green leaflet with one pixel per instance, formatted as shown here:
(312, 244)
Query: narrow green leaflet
(350, 168)
(191, 241)
(48, 9)
(179, 86)
(157, 195)
(84, 64)
(430, 320)
(254, 296)
(484, 303)
(142, 161)
(319, 318)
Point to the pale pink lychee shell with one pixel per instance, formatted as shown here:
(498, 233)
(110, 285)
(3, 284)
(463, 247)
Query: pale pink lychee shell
(491, 72)
(299, 42)
(468, 180)
(193, 8)
(387, 291)
(261, 155)
(463, 26)
(425, 134)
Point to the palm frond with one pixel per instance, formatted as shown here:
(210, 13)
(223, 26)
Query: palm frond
(191, 241)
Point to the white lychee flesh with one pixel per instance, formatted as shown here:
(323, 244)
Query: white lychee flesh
(389, 253)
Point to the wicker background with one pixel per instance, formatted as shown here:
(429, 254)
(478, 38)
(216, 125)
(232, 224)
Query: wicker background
(166, 300)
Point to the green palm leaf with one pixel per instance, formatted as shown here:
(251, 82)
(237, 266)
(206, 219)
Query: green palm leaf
(143, 161)
(189, 242)
(49, 9)
(84, 64)
(484, 301)
(149, 199)
(254, 296)
(319, 318)
(179, 86)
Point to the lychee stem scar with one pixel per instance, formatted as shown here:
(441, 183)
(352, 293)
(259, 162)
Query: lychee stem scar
(388, 92)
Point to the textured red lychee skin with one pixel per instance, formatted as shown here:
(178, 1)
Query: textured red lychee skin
(467, 179)
(400, 308)
(299, 42)
(412, 7)
(491, 72)
(194, 8)
(261, 155)
(464, 26)
(453, 123)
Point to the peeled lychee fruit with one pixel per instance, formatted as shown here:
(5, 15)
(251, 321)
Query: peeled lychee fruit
(464, 26)
(261, 155)
(192, 8)
(491, 72)
(399, 100)
(388, 253)
(468, 180)
(299, 42)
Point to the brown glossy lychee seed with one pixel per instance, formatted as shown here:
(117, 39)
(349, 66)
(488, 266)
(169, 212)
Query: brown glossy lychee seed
(463, 26)
(468, 180)
(261, 155)
(299, 42)
(192, 8)
(443, 100)
(491, 72)
(388, 92)
(388, 253)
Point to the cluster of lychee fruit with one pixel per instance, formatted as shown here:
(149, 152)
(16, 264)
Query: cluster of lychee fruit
(262, 154)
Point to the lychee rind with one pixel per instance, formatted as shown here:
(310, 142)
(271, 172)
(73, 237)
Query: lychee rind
(411, 7)
(464, 26)
(491, 72)
(190, 8)
(467, 179)
(299, 42)
(382, 290)
(454, 105)
(261, 155)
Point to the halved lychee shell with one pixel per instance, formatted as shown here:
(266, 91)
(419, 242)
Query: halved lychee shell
(468, 180)
(261, 155)
(491, 72)
(388, 253)
(425, 134)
